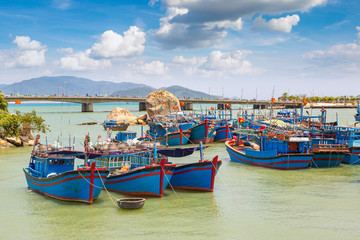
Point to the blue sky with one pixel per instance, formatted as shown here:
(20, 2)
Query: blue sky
(216, 46)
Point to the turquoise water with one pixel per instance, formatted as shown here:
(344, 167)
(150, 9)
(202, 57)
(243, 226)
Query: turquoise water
(247, 203)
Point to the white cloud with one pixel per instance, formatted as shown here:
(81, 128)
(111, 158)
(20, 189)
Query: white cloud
(61, 4)
(283, 24)
(344, 56)
(235, 25)
(153, 68)
(203, 23)
(29, 53)
(82, 61)
(65, 50)
(112, 44)
(109, 45)
(217, 63)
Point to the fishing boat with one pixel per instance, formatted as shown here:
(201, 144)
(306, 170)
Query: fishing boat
(353, 157)
(202, 132)
(135, 173)
(178, 152)
(223, 131)
(327, 153)
(281, 154)
(115, 126)
(174, 138)
(53, 175)
(198, 176)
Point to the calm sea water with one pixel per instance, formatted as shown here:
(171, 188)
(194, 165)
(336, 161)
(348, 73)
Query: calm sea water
(247, 203)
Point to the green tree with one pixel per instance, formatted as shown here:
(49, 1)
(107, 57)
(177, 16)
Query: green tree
(3, 102)
(14, 124)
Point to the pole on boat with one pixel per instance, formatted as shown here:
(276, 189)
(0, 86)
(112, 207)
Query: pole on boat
(162, 173)
(227, 130)
(69, 142)
(155, 151)
(181, 133)
(92, 175)
(213, 172)
(74, 144)
(206, 129)
(201, 151)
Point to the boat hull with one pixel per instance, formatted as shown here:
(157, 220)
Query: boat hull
(175, 139)
(223, 134)
(281, 162)
(74, 185)
(324, 160)
(195, 176)
(118, 128)
(141, 182)
(353, 157)
(198, 134)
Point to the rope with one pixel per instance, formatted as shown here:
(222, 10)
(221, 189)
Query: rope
(110, 196)
(97, 186)
(226, 186)
(170, 184)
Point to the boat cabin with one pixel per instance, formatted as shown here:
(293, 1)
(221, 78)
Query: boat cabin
(43, 167)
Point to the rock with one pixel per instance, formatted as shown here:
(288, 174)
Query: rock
(88, 123)
(15, 141)
(31, 142)
(160, 103)
(120, 115)
(4, 143)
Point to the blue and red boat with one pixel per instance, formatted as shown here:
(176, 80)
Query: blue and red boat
(275, 154)
(357, 115)
(353, 157)
(196, 176)
(175, 138)
(224, 132)
(202, 132)
(135, 174)
(54, 176)
(327, 153)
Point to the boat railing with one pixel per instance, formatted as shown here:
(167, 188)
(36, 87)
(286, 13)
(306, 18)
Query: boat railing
(330, 147)
(35, 173)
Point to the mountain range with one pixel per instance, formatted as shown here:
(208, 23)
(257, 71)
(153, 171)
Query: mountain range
(69, 85)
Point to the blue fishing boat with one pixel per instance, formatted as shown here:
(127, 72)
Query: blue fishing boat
(198, 176)
(135, 174)
(327, 153)
(53, 175)
(353, 157)
(273, 153)
(224, 131)
(203, 132)
(115, 126)
(174, 138)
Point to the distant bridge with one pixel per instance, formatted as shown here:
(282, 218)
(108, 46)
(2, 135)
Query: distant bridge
(87, 102)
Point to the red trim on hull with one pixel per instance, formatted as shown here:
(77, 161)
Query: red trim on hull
(58, 182)
(191, 170)
(140, 176)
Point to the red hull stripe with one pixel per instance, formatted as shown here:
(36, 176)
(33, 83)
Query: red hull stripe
(62, 198)
(61, 181)
(174, 137)
(270, 163)
(191, 170)
(136, 177)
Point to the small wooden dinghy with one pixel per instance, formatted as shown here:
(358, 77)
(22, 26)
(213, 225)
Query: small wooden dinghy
(131, 203)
